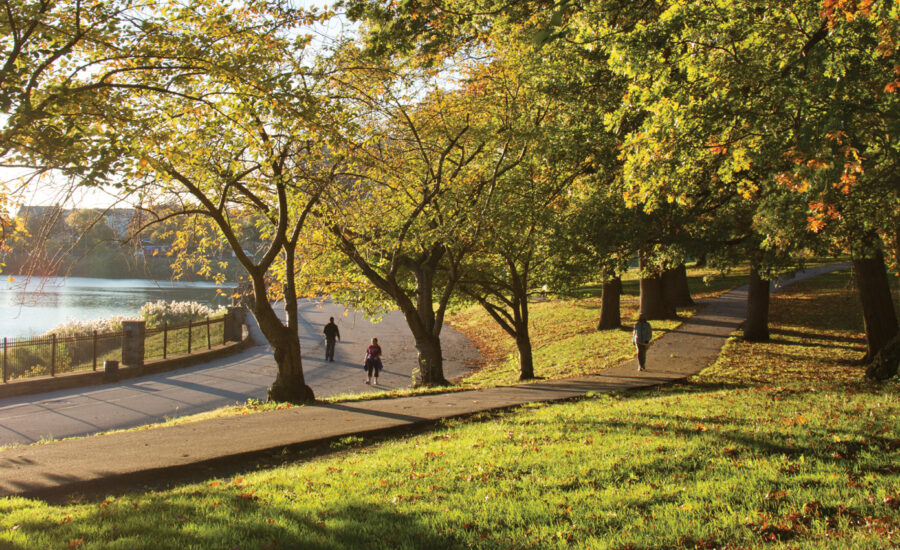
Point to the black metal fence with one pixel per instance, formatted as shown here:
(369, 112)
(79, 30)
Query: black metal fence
(52, 355)
(169, 340)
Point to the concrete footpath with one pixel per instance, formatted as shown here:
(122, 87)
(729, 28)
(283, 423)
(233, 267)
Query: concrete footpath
(233, 379)
(115, 462)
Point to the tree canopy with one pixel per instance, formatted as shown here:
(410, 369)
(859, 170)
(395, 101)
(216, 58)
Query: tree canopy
(474, 149)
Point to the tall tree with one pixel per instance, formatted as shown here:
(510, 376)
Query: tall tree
(417, 167)
(242, 133)
(516, 256)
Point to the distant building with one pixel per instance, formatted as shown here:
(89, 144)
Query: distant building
(149, 249)
(118, 219)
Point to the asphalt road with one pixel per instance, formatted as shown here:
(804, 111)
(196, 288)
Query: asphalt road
(234, 379)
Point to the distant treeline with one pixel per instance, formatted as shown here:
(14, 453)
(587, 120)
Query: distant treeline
(55, 241)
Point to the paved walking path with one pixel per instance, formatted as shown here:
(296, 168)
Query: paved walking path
(230, 380)
(117, 461)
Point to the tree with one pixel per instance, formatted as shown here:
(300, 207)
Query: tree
(243, 132)
(516, 256)
(417, 166)
(769, 98)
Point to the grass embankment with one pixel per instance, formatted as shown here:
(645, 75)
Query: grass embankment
(777, 445)
(564, 336)
(31, 359)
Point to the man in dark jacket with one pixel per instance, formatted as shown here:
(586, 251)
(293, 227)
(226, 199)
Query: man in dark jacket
(332, 333)
(641, 337)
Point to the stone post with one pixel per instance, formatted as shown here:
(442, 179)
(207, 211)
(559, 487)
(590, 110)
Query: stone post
(133, 343)
(110, 370)
(234, 324)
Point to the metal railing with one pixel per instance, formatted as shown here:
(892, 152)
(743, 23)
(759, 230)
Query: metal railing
(31, 357)
(185, 338)
(52, 355)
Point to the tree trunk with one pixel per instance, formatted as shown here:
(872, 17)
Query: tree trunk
(610, 310)
(756, 327)
(652, 304)
(526, 360)
(701, 261)
(675, 287)
(887, 362)
(877, 303)
(897, 252)
(289, 385)
(424, 324)
(430, 362)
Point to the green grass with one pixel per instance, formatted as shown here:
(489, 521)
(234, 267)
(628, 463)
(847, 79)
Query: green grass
(564, 340)
(777, 445)
(703, 282)
(563, 334)
(176, 339)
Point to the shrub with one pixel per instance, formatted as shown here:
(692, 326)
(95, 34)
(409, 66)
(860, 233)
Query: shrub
(157, 313)
(85, 328)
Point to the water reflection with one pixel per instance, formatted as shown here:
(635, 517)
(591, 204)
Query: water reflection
(33, 306)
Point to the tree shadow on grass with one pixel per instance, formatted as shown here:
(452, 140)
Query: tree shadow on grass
(791, 343)
(827, 444)
(244, 520)
(784, 334)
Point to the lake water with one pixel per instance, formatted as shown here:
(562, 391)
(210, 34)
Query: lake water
(33, 306)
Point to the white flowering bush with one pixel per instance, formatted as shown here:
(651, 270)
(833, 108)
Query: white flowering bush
(173, 313)
(85, 328)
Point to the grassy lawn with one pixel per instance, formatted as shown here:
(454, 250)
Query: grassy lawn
(563, 336)
(777, 445)
(563, 333)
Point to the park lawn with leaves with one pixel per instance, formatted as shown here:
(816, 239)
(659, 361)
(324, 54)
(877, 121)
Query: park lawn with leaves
(703, 282)
(777, 445)
(564, 340)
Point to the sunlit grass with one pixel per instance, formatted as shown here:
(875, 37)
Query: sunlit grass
(563, 336)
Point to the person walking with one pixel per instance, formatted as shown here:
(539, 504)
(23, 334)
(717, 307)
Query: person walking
(332, 334)
(373, 362)
(641, 337)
